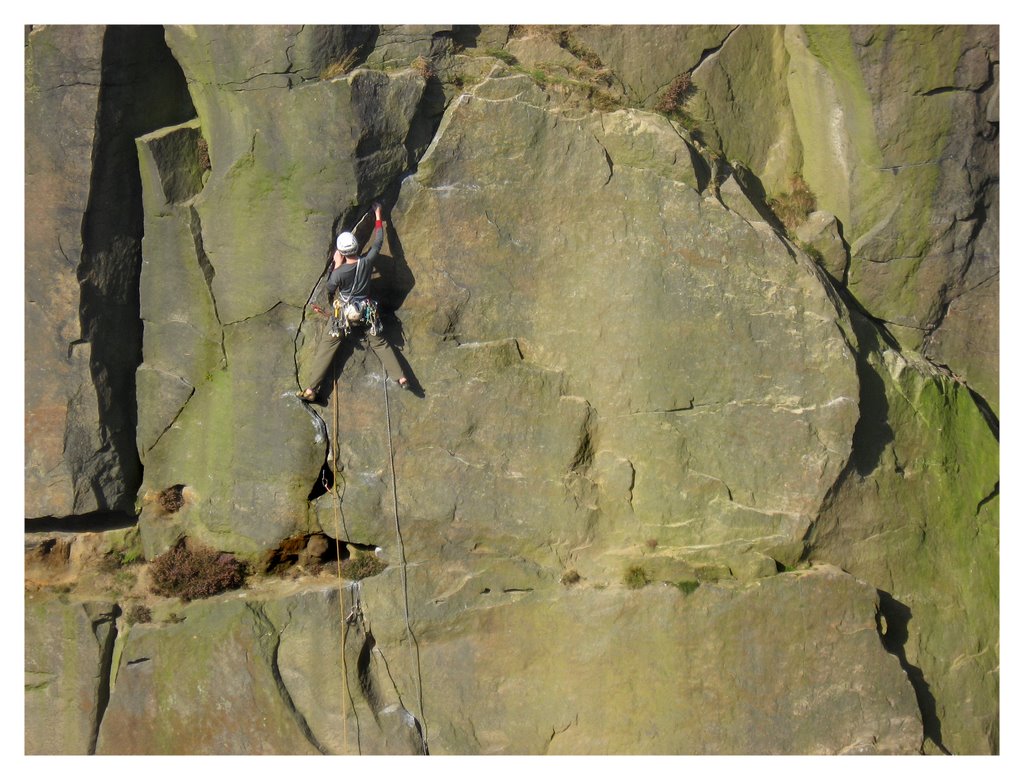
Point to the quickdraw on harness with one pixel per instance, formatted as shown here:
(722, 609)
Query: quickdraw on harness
(351, 311)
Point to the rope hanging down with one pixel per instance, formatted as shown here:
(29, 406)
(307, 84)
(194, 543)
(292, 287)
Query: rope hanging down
(413, 644)
(341, 593)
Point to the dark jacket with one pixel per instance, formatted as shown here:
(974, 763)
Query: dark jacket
(353, 280)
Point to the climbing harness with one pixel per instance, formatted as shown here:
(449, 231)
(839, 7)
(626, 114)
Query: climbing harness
(350, 312)
(354, 311)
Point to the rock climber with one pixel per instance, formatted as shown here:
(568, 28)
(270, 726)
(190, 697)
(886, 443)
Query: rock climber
(354, 312)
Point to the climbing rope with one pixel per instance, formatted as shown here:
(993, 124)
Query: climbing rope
(356, 610)
(341, 592)
(413, 644)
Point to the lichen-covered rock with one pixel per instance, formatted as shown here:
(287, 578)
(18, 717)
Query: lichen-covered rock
(499, 669)
(639, 404)
(230, 263)
(660, 317)
(68, 647)
(821, 233)
(640, 139)
(257, 674)
(916, 514)
(967, 339)
(513, 665)
(897, 144)
(891, 129)
(540, 49)
(206, 685)
(743, 114)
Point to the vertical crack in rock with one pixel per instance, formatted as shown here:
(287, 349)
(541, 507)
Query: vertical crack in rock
(369, 687)
(270, 638)
(142, 89)
(421, 132)
(872, 432)
(324, 481)
(584, 456)
(170, 424)
(424, 125)
(196, 227)
(607, 159)
(891, 621)
(104, 628)
(408, 719)
(366, 683)
(991, 496)
(708, 53)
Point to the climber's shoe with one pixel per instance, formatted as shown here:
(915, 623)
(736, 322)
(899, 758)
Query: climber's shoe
(306, 395)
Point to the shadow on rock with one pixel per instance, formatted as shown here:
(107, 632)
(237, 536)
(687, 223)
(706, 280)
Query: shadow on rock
(893, 618)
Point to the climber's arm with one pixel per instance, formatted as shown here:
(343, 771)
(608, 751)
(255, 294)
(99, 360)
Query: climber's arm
(378, 236)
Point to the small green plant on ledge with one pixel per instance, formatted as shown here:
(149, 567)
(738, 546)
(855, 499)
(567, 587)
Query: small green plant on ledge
(811, 252)
(500, 54)
(635, 577)
(688, 586)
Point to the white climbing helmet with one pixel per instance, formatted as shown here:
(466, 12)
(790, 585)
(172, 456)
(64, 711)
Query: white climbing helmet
(347, 244)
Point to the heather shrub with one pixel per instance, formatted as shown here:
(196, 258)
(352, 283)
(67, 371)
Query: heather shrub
(362, 565)
(195, 572)
(171, 499)
(675, 95)
(203, 150)
(424, 67)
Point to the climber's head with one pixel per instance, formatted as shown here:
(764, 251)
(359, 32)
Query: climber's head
(348, 245)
